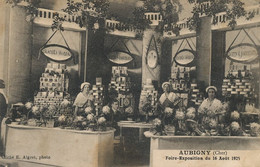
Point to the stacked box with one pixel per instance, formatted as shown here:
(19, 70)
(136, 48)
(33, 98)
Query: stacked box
(237, 87)
(181, 72)
(120, 81)
(184, 98)
(180, 85)
(53, 84)
(148, 90)
(125, 100)
(238, 82)
(119, 71)
(196, 95)
(97, 92)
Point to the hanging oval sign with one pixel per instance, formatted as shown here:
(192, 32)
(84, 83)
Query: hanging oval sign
(57, 52)
(243, 53)
(119, 57)
(152, 59)
(185, 57)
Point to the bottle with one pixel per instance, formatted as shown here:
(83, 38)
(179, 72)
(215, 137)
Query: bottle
(239, 74)
(178, 73)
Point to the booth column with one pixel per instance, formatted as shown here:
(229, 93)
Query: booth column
(204, 42)
(17, 51)
(4, 31)
(151, 44)
(218, 59)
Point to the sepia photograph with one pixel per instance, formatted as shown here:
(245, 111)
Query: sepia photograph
(129, 83)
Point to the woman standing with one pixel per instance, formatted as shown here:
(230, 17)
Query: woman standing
(167, 102)
(168, 98)
(210, 109)
(84, 99)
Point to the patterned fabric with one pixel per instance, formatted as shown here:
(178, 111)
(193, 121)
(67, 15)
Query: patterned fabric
(168, 101)
(82, 101)
(209, 110)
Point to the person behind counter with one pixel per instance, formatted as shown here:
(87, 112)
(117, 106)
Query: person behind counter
(115, 115)
(168, 98)
(210, 109)
(168, 101)
(3, 110)
(84, 99)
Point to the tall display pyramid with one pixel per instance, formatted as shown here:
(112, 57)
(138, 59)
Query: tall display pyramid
(54, 82)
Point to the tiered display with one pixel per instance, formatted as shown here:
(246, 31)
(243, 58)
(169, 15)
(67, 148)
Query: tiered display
(196, 95)
(120, 81)
(148, 90)
(238, 83)
(181, 76)
(53, 85)
(98, 94)
(182, 86)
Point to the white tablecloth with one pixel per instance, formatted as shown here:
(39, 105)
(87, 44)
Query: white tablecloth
(63, 147)
(201, 143)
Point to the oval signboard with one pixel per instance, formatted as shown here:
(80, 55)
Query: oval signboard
(184, 57)
(119, 57)
(57, 52)
(243, 53)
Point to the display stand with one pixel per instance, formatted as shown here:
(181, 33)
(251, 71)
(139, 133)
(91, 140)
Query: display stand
(60, 147)
(201, 143)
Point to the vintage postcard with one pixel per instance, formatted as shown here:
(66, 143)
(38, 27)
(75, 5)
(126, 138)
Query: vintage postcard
(139, 83)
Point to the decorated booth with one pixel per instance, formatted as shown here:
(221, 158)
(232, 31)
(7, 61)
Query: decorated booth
(151, 80)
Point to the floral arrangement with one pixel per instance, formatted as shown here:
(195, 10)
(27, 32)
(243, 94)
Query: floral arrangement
(186, 121)
(175, 121)
(233, 8)
(87, 121)
(168, 111)
(129, 110)
(148, 109)
(88, 12)
(254, 129)
(191, 113)
(62, 115)
(235, 116)
(169, 10)
(106, 110)
(158, 127)
(30, 6)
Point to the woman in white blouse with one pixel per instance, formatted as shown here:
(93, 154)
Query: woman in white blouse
(210, 109)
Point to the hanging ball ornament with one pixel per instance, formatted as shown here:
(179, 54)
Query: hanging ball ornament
(29, 18)
(139, 4)
(164, 6)
(156, 7)
(96, 26)
(91, 5)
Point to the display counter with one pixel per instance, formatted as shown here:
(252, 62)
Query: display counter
(201, 143)
(131, 124)
(60, 147)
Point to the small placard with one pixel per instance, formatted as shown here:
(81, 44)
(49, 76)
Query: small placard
(243, 52)
(57, 52)
(119, 57)
(185, 57)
